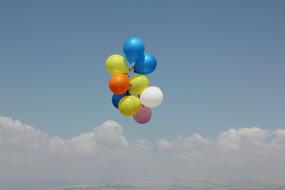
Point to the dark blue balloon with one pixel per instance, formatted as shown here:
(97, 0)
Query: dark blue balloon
(116, 99)
(145, 64)
(133, 49)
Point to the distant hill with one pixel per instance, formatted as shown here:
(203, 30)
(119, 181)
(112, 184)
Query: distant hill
(198, 185)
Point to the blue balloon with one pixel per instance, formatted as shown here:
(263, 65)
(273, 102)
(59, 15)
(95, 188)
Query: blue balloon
(133, 49)
(116, 99)
(146, 64)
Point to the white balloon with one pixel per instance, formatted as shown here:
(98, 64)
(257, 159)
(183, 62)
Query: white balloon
(151, 97)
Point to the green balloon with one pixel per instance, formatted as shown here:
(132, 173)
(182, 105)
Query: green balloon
(138, 83)
(116, 64)
(129, 105)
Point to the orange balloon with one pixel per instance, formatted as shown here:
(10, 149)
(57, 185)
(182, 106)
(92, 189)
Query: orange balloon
(119, 83)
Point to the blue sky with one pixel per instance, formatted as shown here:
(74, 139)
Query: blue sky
(220, 63)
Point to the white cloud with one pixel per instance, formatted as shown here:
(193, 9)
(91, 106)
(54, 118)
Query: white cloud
(109, 136)
(244, 138)
(104, 155)
(279, 140)
(14, 133)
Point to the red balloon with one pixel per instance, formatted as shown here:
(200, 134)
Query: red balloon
(119, 83)
(143, 115)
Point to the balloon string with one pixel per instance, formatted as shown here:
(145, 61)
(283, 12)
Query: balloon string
(132, 68)
(149, 139)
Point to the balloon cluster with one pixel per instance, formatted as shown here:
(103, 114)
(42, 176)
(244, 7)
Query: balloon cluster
(132, 94)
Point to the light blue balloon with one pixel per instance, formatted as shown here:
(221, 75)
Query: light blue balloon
(146, 64)
(133, 49)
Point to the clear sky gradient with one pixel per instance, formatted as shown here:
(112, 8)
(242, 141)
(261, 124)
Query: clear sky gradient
(221, 64)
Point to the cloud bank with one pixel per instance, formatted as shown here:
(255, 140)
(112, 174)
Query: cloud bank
(104, 156)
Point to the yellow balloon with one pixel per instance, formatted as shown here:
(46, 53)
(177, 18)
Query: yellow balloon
(138, 84)
(129, 105)
(116, 64)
